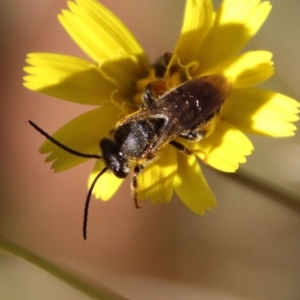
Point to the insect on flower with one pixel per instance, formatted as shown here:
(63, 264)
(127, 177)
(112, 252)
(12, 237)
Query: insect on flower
(187, 111)
(157, 121)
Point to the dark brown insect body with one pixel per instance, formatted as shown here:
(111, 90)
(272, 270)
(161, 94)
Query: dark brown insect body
(185, 111)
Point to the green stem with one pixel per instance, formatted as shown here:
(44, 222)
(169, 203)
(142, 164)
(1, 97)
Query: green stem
(276, 193)
(102, 293)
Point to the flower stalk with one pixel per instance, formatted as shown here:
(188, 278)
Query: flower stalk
(68, 277)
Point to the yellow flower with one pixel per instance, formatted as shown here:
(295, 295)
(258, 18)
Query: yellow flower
(210, 43)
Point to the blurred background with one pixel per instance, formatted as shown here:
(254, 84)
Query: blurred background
(247, 248)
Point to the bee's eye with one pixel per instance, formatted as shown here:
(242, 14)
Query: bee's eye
(120, 173)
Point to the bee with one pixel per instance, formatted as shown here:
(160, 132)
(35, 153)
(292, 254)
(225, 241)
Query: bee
(186, 111)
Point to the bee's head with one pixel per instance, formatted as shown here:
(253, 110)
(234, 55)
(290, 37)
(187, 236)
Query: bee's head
(113, 158)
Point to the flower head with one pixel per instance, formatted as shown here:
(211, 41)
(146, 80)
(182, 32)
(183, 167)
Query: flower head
(115, 78)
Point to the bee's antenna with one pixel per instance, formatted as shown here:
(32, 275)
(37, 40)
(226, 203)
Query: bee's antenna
(57, 143)
(87, 202)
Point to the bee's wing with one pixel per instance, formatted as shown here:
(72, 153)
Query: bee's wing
(185, 108)
(144, 114)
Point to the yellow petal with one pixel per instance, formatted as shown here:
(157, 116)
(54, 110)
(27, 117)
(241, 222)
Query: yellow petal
(106, 185)
(68, 78)
(191, 187)
(82, 134)
(261, 111)
(197, 21)
(225, 148)
(235, 23)
(156, 181)
(101, 34)
(246, 70)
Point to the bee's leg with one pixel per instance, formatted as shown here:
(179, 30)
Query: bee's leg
(187, 151)
(160, 66)
(193, 135)
(197, 133)
(152, 91)
(156, 88)
(181, 148)
(148, 97)
(134, 183)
